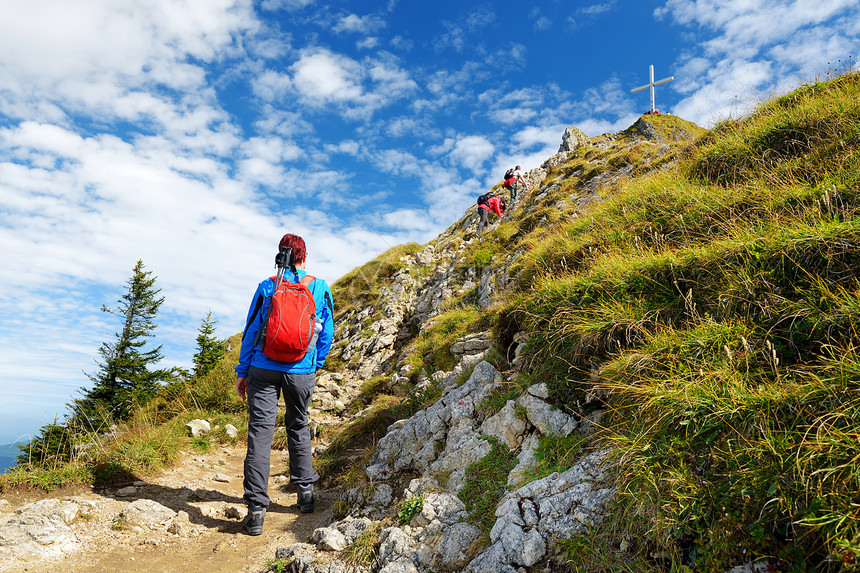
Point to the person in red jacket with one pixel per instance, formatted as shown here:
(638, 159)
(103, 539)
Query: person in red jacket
(493, 203)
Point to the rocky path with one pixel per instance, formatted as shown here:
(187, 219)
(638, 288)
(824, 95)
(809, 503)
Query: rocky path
(200, 530)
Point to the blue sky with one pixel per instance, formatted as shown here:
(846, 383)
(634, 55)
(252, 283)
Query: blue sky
(192, 134)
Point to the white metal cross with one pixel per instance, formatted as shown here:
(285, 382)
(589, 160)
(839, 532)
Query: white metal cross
(651, 83)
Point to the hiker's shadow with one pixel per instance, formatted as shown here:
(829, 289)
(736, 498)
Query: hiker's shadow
(208, 507)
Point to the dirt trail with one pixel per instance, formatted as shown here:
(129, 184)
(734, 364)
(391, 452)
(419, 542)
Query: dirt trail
(212, 539)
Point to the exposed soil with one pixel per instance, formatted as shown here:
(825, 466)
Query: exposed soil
(212, 539)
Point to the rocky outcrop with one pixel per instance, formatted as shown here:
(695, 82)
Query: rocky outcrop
(40, 530)
(445, 439)
(571, 139)
(530, 519)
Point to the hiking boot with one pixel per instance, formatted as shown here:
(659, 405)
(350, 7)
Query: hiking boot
(306, 498)
(253, 522)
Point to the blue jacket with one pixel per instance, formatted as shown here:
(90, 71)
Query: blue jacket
(252, 355)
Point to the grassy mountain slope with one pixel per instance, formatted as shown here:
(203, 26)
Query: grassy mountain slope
(704, 300)
(713, 308)
(698, 301)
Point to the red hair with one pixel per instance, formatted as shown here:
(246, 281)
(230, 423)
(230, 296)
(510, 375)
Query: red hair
(297, 244)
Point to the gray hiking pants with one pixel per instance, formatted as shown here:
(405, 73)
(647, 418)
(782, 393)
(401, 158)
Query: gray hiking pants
(264, 389)
(483, 214)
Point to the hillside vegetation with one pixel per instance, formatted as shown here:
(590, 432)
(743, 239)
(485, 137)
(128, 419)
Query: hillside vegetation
(693, 293)
(714, 309)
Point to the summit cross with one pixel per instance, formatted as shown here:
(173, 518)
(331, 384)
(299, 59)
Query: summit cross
(651, 84)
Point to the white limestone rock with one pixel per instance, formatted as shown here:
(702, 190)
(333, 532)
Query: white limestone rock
(66, 511)
(198, 427)
(548, 420)
(531, 518)
(353, 527)
(452, 550)
(33, 536)
(146, 512)
(572, 139)
(397, 549)
(506, 426)
(526, 460)
(443, 508)
(413, 445)
(40, 530)
(328, 539)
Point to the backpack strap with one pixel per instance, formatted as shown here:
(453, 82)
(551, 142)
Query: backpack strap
(257, 305)
(306, 280)
(261, 333)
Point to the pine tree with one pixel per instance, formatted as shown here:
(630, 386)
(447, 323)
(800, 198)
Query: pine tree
(209, 349)
(124, 377)
(53, 445)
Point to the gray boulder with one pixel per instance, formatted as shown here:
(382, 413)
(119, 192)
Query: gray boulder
(530, 519)
(39, 531)
(328, 539)
(572, 139)
(146, 513)
(548, 420)
(416, 444)
(506, 426)
(198, 427)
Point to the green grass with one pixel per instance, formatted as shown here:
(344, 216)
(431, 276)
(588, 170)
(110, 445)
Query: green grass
(486, 483)
(714, 310)
(431, 350)
(363, 551)
(498, 397)
(554, 454)
(361, 287)
(150, 440)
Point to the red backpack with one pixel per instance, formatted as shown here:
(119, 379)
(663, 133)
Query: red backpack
(289, 329)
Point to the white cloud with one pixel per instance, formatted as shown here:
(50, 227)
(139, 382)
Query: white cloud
(56, 49)
(271, 85)
(289, 5)
(401, 43)
(457, 35)
(542, 24)
(596, 9)
(759, 47)
(322, 77)
(348, 147)
(513, 107)
(367, 43)
(471, 152)
(413, 220)
(355, 24)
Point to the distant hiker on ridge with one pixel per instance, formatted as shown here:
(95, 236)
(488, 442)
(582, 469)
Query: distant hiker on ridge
(486, 203)
(514, 181)
(510, 182)
(518, 180)
(281, 352)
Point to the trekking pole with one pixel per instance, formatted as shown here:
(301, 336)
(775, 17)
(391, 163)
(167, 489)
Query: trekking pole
(282, 259)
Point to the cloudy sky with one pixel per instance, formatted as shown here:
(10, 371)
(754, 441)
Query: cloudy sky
(192, 134)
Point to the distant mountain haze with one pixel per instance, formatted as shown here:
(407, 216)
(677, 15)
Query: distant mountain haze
(8, 456)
